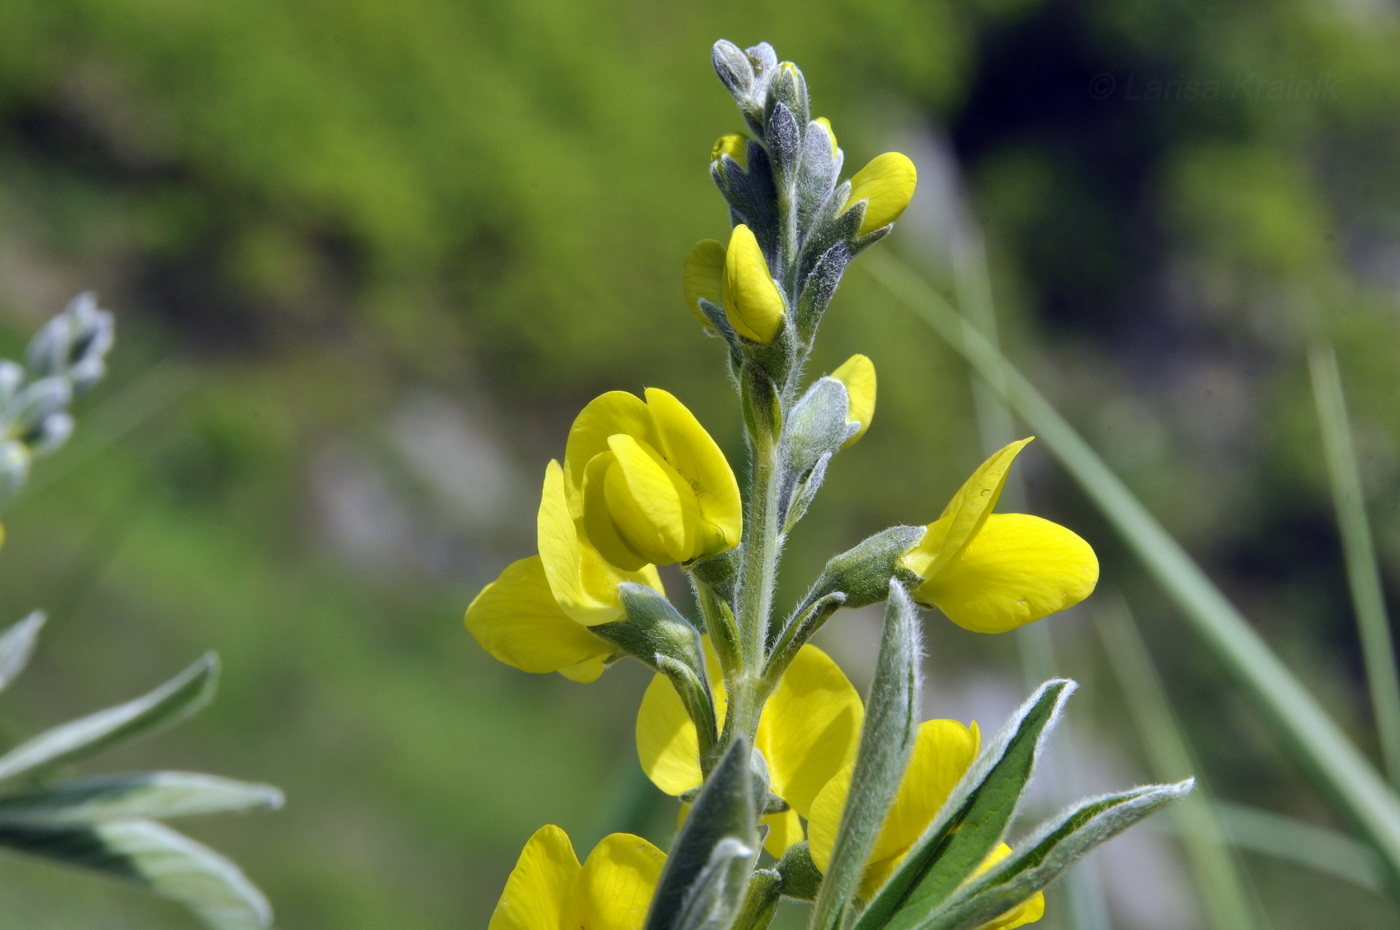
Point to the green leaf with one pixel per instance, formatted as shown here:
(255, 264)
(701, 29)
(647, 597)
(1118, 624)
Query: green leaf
(153, 857)
(17, 645)
(176, 699)
(705, 858)
(886, 740)
(974, 818)
(1055, 847)
(134, 795)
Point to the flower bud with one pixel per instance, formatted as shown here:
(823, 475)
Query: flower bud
(752, 301)
(857, 373)
(704, 277)
(887, 185)
(830, 134)
(735, 145)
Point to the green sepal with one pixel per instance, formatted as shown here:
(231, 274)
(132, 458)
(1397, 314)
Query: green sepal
(787, 91)
(718, 572)
(652, 627)
(863, 572)
(751, 192)
(784, 144)
(734, 70)
(154, 857)
(178, 698)
(761, 902)
(815, 430)
(816, 177)
(715, 848)
(886, 741)
(818, 287)
(1056, 846)
(17, 645)
(763, 412)
(972, 820)
(801, 877)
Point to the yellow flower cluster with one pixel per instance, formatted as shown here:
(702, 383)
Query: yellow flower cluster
(642, 485)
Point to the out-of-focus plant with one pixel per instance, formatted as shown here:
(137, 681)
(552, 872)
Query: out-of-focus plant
(881, 822)
(108, 824)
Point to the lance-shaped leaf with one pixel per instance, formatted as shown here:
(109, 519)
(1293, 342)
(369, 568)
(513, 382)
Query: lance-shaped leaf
(720, 823)
(717, 894)
(17, 645)
(885, 743)
(1056, 846)
(134, 795)
(155, 858)
(973, 819)
(176, 699)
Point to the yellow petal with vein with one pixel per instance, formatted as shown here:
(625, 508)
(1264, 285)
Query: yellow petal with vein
(809, 728)
(617, 883)
(784, 832)
(516, 619)
(734, 144)
(604, 416)
(1017, 569)
(538, 892)
(651, 505)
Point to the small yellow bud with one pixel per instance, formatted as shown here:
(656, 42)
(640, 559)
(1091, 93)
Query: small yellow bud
(735, 145)
(704, 277)
(830, 134)
(887, 183)
(857, 373)
(752, 302)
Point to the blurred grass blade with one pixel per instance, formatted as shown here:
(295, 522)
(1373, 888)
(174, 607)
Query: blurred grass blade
(972, 820)
(17, 645)
(1084, 896)
(1339, 767)
(1306, 844)
(1363, 573)
(155, 858)
(176, 699)
(1057, 845)
(886, 741)
(136, 795)
(1226, 901)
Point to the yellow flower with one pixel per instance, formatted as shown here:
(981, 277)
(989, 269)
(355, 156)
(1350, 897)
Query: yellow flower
(857, 373)
(735, 145)
(704, 277)
(645, 485)
(887, 183)
(751, 298)
(808, 731)
(517, 620)
(943, 752)
(992, 572)
(549, 890)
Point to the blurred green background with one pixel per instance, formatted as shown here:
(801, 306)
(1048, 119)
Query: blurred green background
(368, 260)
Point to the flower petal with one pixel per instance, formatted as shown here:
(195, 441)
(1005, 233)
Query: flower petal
(1017, 569)
(809, 728)
(784, 832)
(540, 885)
(604, 416)
(887, 182)
(617, 883)
(649, 502)
(734, 144)
(751, 298)
(704, 277)
(516, 619)
(964, 515)
(857, 373)
(695, 454)
(667, 745)
(1027, 912)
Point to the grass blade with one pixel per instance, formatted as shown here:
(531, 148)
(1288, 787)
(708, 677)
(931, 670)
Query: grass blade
(1363, 574)
(1352, 782)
